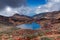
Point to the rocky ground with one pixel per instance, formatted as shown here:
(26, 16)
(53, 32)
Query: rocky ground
(50, 27)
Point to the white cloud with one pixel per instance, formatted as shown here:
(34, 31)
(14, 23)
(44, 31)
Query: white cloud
(51, 5)
(54, 0)
(8, 11)
(24, 10)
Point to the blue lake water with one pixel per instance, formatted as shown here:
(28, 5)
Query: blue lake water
(32, 26)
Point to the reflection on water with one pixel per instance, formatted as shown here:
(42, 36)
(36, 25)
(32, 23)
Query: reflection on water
(32, 26)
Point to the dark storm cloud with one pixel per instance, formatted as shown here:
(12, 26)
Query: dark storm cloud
(12, 3)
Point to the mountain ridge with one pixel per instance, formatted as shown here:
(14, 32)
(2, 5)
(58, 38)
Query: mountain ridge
(17, 19)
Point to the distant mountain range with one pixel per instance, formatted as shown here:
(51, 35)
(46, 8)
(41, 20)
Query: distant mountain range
(44, 19)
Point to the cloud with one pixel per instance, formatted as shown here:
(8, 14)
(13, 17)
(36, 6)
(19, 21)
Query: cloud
(22, 10)
(10, 7)
(19, 6)
(51, 5)
(12, 3)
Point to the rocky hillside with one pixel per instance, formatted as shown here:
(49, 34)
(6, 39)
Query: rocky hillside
(50, 26)
(49, 20)
(15, 20)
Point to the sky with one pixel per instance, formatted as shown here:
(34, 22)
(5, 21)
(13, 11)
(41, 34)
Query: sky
(51, 5)
(33, 3)
(28, 7)
(22, 7)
